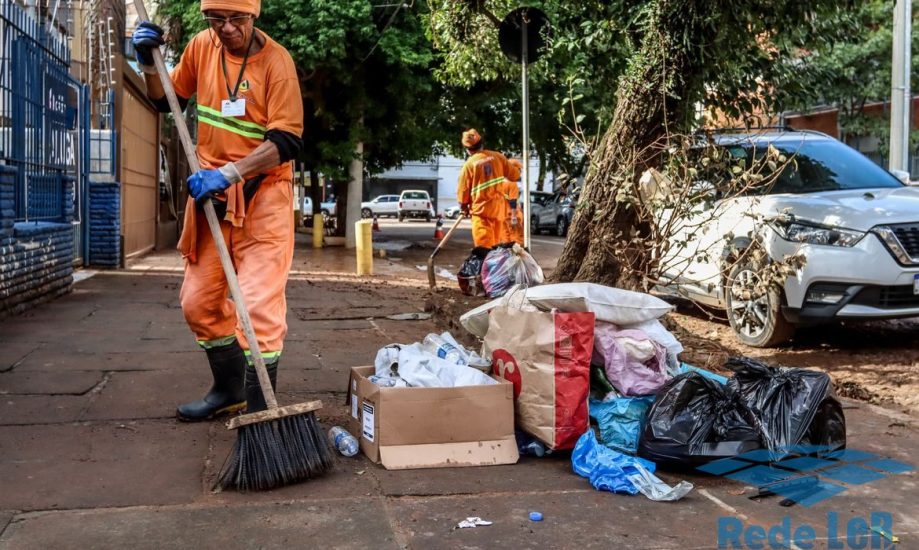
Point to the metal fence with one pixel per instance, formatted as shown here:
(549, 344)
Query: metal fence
(39, 114)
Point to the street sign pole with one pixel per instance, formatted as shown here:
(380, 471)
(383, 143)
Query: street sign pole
(517, 44)
(525, 94)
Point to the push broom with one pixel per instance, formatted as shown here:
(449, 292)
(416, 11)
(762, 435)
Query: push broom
(280, 445)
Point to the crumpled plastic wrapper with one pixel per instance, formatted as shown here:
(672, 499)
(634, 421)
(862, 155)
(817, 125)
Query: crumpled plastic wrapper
(472, 522)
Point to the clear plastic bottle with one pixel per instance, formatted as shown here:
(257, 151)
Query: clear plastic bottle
(439, 346)
(534, 448)
(343, 441)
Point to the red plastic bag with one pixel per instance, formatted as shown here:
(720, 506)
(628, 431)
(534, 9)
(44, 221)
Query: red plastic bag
(546, 355)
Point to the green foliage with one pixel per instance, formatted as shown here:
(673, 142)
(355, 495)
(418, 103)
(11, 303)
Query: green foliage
(738, 48)
(855, 70)
(365, 73)
(571, 86)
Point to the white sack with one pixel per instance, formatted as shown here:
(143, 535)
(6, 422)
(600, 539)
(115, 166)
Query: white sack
(613, 305)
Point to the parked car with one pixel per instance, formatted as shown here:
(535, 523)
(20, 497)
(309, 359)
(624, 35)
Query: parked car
(415, 204)
(329, 207)
(306, 208)
(856, 225)
(553, 212)
(452, 212)
(383, 205)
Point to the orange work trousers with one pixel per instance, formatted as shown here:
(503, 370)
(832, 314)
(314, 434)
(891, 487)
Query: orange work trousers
(513, 233)
(487, 232)
(262, 251)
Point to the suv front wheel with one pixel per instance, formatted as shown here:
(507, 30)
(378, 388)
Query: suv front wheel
(561, 226)
(755, 313)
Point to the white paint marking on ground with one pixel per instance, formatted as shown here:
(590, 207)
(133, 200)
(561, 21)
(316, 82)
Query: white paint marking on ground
(543, 241)
(83, 274)
(723, 505)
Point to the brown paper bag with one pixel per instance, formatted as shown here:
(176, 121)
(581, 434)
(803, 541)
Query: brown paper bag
(546, 355)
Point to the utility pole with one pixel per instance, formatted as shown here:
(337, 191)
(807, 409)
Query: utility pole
(900, 99)
(525, 150)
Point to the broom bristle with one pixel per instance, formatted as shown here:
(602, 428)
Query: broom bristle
(276, 452)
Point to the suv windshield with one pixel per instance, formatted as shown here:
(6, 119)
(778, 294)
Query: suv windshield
(414, 195)
(820, 165)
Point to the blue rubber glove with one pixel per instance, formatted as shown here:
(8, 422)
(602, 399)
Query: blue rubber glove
(146, 37)
(204, 184)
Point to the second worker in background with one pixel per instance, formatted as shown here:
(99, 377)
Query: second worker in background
(481, 192)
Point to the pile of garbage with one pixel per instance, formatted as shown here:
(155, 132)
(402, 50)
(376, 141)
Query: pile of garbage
(501, 268)
(593, 372)
(581, 353)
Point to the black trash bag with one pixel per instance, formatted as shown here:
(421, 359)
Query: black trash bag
(470, 273)
(797, 409)
(694, 421)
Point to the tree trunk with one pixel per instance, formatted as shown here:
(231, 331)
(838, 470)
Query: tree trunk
(341, 207)
(542, 172)
(650, 98)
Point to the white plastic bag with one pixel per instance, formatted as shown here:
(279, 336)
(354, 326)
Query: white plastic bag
(387, 361)
(422, 369)
(505, 267)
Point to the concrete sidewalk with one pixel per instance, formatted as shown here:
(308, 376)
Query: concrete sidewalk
(91, 457)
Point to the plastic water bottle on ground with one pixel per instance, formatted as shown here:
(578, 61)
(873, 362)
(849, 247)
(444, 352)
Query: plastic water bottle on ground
(534, 448)
(530, 446)
(437, 345)
(343, 441)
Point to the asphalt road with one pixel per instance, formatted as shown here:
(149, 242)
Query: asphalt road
(418, 236)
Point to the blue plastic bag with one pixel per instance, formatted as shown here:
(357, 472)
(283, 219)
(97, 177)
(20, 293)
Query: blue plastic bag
(606, 469)
(620, 421)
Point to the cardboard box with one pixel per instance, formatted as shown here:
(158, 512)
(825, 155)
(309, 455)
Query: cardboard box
(404, 428)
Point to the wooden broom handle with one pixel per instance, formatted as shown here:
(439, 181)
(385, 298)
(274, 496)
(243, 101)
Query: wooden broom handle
(212, 222)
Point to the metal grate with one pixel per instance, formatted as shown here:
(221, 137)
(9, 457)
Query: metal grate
(46, 196)
(908, 235)
(887, 297)
(39, 104)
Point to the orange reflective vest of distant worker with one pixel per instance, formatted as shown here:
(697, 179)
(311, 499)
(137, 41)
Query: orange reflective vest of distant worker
(482, 189)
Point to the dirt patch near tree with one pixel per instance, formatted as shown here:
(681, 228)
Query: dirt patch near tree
(875, 362)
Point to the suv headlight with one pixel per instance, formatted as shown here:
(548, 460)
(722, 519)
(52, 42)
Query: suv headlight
(813, 234)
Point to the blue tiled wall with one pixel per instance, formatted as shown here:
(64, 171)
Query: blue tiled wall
(36, 258)
(104, 224)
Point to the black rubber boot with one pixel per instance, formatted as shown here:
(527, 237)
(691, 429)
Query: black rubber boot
(227, 395)
(254, 397)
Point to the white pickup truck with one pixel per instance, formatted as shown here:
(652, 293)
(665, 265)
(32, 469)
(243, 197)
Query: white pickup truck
(415, 204)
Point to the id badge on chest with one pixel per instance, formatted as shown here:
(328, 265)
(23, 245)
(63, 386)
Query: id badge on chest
(233, 108)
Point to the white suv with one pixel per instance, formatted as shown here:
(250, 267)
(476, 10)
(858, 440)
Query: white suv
(856, 225)
(384, 205)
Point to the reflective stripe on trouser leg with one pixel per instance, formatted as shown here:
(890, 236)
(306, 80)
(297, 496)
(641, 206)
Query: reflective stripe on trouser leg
(218, 342)
(263, 252)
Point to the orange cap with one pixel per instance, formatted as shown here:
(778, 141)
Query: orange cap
(242, 6)
(471, 138)
(516, 162)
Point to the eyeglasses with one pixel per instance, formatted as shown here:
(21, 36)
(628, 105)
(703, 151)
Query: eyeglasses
(236, 20)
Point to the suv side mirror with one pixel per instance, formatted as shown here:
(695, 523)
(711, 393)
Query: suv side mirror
(901, 175)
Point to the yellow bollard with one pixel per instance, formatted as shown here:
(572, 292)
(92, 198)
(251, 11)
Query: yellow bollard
(317, 231)
(363, 245)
